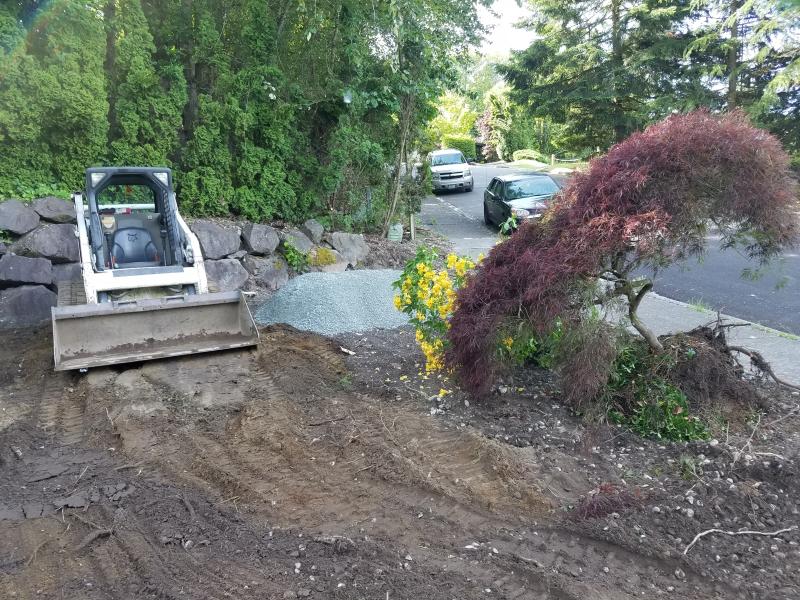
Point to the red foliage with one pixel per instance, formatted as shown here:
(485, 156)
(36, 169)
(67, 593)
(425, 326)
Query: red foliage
(647, 202)
(606, 499)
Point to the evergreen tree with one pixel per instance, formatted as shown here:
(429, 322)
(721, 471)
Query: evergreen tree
(605, 68)
(146, 102)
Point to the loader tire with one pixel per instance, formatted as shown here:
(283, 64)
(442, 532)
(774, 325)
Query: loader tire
(71, 293)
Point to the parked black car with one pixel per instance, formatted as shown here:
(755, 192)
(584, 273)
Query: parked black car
(524, 196)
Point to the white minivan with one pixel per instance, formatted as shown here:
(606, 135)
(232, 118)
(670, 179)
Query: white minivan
(450, 170)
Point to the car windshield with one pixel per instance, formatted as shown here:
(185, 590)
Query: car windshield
(456, 158)
(535, 186)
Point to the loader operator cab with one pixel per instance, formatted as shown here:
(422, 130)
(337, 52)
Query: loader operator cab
(144, 293)
(131, 219)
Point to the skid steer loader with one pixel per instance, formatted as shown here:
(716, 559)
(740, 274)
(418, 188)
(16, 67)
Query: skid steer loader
(144, 293)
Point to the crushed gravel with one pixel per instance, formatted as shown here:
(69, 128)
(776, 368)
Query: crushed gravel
(334, 303)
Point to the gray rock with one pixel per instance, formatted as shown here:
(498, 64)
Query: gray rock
(54, 209)
(326, 260)
(3, 248)
(271, 273)
(55, 242)
(226, 275)
(352, 246)
(298, 239)
(274, 274)
(252, 264)
(216, 241)
(17, 218)
(67, 272)
(313, 229)
(239, 255)
(25, 306)
(260, 239)
(20, 270)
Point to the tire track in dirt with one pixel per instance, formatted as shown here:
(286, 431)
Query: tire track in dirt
(301, 448)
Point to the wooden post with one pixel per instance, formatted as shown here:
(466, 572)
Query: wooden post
(413, 228)
(553, 159)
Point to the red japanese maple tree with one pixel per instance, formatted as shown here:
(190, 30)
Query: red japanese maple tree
(649, 202)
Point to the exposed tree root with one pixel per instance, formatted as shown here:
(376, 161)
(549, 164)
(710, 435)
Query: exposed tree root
(742, 532)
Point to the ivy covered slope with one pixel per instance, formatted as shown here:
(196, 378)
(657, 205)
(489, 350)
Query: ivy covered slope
(264, 108)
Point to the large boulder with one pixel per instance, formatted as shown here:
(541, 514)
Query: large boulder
(25, 306)
(260, 239)
(226, 275)
(20, 270)
(17, 218)
(298, 239)
(326, 260)
(55, 242)
(216, 241)
(66, 273)
(313, 230)
(352, 246)
(271, 273)
(54, 209)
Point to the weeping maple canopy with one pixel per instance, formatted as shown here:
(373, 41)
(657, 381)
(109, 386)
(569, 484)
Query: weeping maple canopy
(649, 202)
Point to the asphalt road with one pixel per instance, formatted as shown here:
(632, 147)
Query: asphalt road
(716, 283)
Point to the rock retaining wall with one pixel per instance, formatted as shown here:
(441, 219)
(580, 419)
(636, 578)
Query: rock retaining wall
(39, 252)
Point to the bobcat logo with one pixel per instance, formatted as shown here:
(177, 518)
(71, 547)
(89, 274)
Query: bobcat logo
(132, 237)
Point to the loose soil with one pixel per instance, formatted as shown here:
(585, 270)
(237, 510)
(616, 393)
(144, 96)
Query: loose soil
(299, 470)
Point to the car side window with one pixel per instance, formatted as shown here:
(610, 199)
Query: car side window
(493, 186)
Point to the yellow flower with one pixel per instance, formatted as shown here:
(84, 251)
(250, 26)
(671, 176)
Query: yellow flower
(398, 303)
(452, 259)
(481, 257)
(508, 342)
(443, 392)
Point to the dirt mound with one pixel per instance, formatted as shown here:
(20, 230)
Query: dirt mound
(706, 372)
(295, 470)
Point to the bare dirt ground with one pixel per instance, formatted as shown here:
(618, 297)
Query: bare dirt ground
(299, 470)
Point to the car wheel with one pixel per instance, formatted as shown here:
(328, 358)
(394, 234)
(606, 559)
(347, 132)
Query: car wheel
(486, 218)
(471, 185)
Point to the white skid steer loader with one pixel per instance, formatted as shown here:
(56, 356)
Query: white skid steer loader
(144, 293)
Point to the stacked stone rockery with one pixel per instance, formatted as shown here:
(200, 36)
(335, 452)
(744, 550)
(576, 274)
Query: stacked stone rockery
(39, 252)
(252, 256)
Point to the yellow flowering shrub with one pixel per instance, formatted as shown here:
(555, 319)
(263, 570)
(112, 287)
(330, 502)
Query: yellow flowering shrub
(428, 296)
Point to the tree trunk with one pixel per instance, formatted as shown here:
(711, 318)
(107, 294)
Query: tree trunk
(405, 118)
(634, 299)
(617, 65)
(733, 56)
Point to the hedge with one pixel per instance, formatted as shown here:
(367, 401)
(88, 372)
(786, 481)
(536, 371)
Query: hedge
(461, 142)
(528, 154)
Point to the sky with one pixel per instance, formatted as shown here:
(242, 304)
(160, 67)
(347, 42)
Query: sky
(503, 36)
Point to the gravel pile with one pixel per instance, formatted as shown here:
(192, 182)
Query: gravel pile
(334, 303)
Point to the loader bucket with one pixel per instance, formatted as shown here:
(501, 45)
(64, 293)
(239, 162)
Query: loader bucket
(96, 335)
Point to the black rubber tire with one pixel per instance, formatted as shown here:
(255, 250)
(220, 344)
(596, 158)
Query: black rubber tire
(486, 218)
(470, 188)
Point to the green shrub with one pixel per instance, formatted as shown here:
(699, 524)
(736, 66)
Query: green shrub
(465, 143)
(640, 399)
(521, 345)
(296, 259)
(528, 154)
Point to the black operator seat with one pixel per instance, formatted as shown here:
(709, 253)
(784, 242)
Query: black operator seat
(134, 247)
